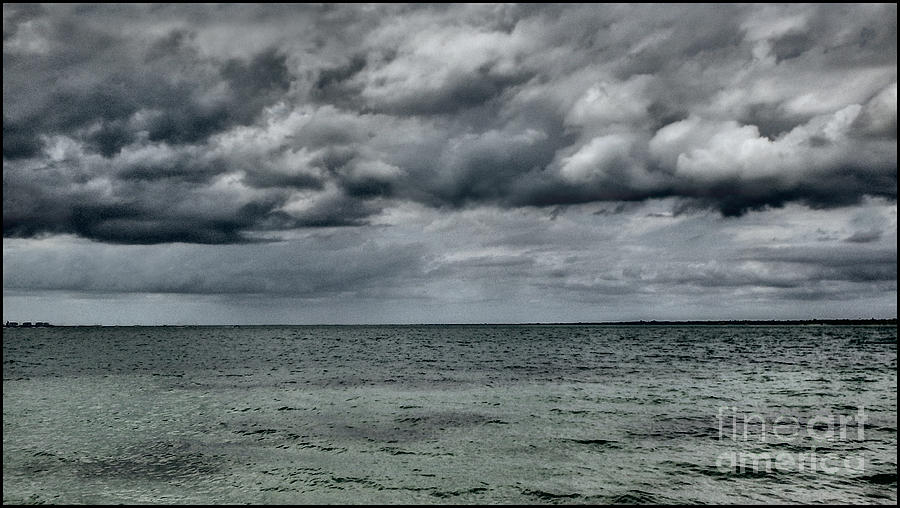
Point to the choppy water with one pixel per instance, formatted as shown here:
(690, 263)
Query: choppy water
(450, 414)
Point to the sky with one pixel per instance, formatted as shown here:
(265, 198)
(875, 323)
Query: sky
(306, 164)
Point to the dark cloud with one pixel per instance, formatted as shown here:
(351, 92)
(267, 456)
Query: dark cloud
(827, 257)
(871, 235)
(19, 141)
(154, 124)
(334, 85)
(88, 82)
(315, 269)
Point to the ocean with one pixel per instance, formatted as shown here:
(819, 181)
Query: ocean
(450, 414)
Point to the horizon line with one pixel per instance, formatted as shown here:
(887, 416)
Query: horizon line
(846, 321)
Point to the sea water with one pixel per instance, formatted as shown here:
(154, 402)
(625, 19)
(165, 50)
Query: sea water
(450, 414)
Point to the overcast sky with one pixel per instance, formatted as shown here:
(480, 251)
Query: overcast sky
(450, 163)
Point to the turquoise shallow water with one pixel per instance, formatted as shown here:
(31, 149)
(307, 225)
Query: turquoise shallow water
(450, 414)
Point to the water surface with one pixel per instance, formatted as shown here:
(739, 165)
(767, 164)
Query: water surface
(450, 414)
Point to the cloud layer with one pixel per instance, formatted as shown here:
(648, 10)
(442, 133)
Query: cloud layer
(418, 264)
(237, 123)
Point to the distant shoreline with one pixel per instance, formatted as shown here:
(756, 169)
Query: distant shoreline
(735, 322)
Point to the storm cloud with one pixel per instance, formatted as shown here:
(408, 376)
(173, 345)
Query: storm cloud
(224, 124)
(381, 163)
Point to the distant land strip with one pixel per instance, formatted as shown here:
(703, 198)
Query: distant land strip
(750, 322)
(873, 321)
